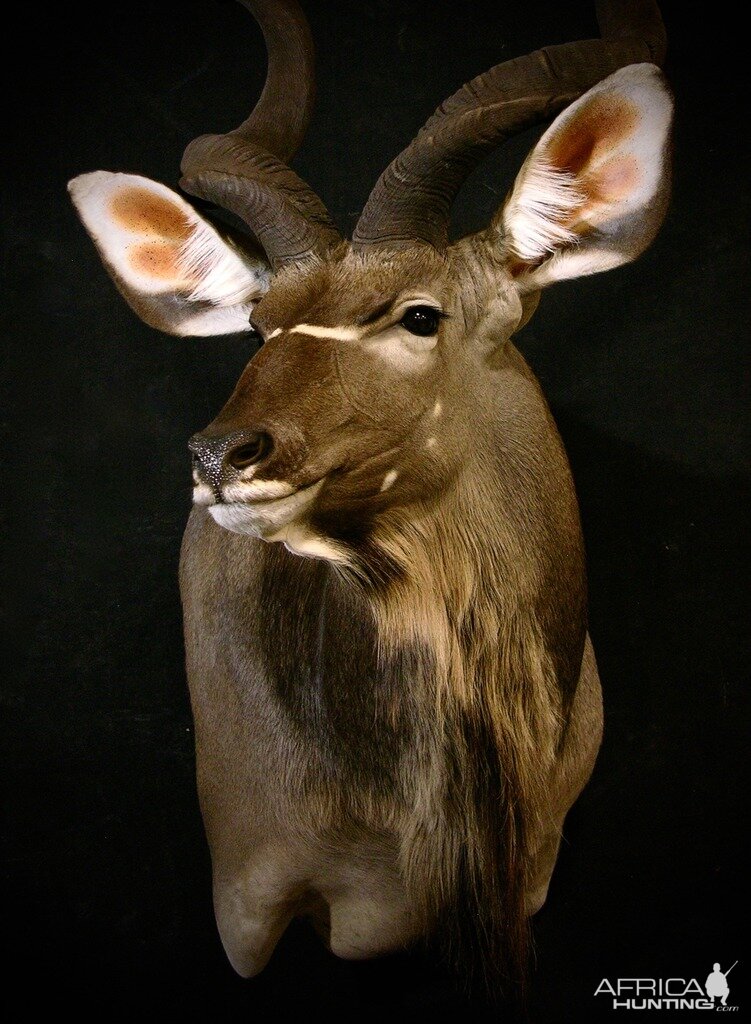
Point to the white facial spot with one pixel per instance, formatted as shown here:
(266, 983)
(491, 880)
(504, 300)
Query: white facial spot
(336, 333)
(431, 442)
(389, 479)
(274, 333)
(437, 409)
(202, 494)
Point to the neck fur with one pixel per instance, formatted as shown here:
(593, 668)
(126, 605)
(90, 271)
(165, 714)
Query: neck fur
(489, 710)
(465, 592)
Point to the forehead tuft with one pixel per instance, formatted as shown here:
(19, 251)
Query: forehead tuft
(348, 286)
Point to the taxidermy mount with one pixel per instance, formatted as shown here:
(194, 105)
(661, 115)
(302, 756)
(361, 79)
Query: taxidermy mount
(395, 696)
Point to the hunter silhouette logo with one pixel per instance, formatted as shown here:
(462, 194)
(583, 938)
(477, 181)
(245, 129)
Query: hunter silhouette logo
(717, 984)
(669, 993)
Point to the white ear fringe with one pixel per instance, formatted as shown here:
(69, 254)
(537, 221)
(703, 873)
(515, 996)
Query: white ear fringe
(223, 278)
(542, 201)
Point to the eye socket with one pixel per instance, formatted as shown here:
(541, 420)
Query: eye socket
(421, 320)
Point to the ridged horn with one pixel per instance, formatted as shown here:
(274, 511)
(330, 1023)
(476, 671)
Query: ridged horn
(245, 171)
(411, 201)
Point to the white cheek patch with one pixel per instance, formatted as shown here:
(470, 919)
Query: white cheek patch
(389, 479)
(334, 333)
(404, 350)
(281, 520)
(274, 334)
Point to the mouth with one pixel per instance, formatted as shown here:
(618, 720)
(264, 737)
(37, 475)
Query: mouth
(265, 509)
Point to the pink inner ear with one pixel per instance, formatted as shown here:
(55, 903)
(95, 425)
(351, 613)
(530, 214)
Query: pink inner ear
(161, 228)
(598, 127)
(159, 259)
(587, 146)
(607, 185)
(613, 180)
(146, 213)
(593, 192)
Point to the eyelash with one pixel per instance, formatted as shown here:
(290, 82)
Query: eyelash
(426, 305)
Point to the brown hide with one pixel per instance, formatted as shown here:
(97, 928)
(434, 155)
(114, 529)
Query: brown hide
(395, 698)
(410, 715)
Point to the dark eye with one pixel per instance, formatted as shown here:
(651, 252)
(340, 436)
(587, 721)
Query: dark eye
(254, 334)
(422, 320)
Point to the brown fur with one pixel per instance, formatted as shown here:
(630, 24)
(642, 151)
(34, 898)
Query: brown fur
(472, 595)
(390, 732)
(473, 739)
(476, 580)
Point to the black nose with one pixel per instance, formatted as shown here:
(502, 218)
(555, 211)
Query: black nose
(220, 458)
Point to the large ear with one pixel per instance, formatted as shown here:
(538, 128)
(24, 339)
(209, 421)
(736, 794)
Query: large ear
(171, 265)
(593, 192)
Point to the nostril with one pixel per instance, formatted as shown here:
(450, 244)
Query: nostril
(250, 452)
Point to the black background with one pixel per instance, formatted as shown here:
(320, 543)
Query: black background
(108, 892)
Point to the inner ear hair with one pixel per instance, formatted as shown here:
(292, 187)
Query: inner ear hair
(231, 230)
(593, 192)
(538, 215)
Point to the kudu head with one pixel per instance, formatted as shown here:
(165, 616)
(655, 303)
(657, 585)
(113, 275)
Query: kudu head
(383, 357)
